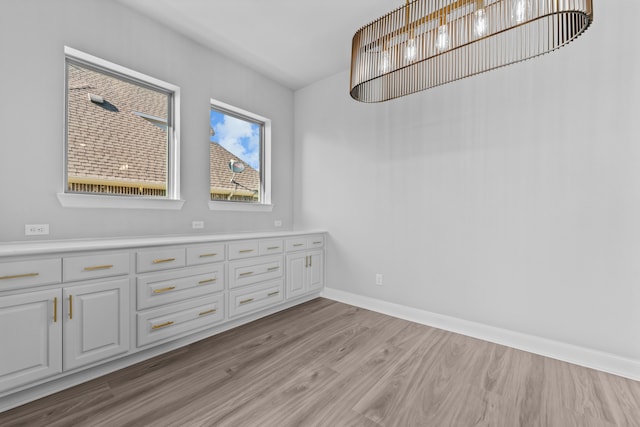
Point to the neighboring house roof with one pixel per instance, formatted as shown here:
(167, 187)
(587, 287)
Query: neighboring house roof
(221, 174)
(109, 141)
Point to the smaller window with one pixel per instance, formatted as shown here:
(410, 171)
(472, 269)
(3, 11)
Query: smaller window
(239, 152)
(121, 133)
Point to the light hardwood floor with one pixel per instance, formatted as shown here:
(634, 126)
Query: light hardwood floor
(325, 363)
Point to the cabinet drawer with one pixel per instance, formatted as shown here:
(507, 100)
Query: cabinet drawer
(162, 259)
(296, 244)
(314, 242)
(24, 274)
(247, 300)
(95, 266)
(270, 247)
(168, 287)
(247, 272)
(205, 254)
(244, 249)
(176, 319)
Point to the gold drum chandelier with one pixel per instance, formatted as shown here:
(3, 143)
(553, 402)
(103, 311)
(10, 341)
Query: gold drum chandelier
(427, 43)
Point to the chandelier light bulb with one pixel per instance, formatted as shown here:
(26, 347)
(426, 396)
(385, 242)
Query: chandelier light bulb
(480, 23)
(385, 65)
(411, 50)
(520, 10)
(442, 41)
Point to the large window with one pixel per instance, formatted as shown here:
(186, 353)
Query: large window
(239, 157)
(121, 132)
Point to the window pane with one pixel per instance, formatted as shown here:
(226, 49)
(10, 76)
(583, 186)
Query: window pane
(236, 156)
(117, 135)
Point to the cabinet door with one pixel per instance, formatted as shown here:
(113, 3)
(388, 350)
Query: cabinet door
(296, 274)
(96, 324)
(30, 337)
(316, 271)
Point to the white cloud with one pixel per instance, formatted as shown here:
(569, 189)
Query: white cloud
(241, 138)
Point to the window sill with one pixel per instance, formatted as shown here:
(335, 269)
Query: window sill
(115, 202)
(240, 206)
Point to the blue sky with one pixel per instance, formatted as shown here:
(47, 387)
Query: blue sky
(240, 137)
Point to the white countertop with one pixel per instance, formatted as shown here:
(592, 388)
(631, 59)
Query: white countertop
(47, 246)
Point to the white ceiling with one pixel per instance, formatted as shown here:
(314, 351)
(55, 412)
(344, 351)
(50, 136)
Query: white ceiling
(293, 42)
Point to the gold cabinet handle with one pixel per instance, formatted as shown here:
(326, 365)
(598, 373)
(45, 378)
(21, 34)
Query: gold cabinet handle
(310, 261)
(204, 313)
(55, 309)
(246, 301)
(298, 245)
(273, 268)
(306, 262)
(19, 276)
(161, 290)
(98, 267)
(270, 248)
(245, 251)
(162, 325)
(270, 294)
(317, 243)
(70, 307)
(207, 255)
(202, 282)
(160, 261)
(248, 273)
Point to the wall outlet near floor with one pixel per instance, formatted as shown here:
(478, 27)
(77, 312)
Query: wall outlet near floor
(379, 279)
(36, 229)
(197, 225)
(277, 223)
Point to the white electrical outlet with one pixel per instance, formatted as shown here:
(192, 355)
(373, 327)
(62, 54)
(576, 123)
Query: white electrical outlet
(196, 225)
(36, 229)
(379, 279)
(277, 223)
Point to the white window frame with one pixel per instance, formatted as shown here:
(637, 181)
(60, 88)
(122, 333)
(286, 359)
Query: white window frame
(172, 201)
(265, 199)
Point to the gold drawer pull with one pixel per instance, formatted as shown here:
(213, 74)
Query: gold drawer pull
(248, 273)
(160, 261)
(270, 294)
(298, 244)
(203, 313)
(207, 255)
(270, 248)
(162, 325)
(202, 282)
(317, 243)
(161, 290)
(273, 268)
(98, 267)
(245, 251)
(246, 301)
(20, 276)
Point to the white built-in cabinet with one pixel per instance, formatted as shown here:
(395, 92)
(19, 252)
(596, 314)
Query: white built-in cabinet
(305, 265)
(30, 337)
(95, 322)
(69, 307)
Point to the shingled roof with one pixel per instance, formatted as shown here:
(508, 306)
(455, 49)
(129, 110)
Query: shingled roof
(108, 143)
(221, 177)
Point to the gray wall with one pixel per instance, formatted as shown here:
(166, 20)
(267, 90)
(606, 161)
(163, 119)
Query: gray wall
(32, 36)
(511, 199)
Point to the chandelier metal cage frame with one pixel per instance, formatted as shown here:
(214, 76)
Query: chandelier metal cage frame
(427, 43)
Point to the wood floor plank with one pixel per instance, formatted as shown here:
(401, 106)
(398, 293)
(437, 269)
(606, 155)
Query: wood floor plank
(325, 363)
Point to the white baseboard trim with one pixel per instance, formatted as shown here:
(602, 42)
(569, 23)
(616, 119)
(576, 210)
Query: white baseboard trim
(594, 359)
